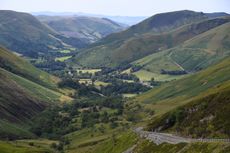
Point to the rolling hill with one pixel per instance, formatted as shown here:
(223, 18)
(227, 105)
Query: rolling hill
(209, 85)
(205, 116)
(123, 20)
(194, 54)
(89, 29)
(147, 37)
(217, 14)
(23, 33)
(21, 67)
(190, 86)
(24, 92)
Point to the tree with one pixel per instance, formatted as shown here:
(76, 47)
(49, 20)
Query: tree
(152, 79)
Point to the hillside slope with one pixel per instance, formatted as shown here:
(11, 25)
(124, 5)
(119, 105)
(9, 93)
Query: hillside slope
(21, 67)
(195, 106)
(193, 55)
(130, 45)
(89, 29)
(189, 86)
(175, 93)
(24, 92)
(23, 33)
(206, 116)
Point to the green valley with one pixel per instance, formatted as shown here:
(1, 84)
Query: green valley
(87, 84)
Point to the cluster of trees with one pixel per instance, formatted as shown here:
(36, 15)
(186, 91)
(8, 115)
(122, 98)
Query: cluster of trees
(58, 121)
(50, 65)
(116, 87)
(89, 118)
(120, 87)
(81, 89)
(175, 72)
(120, 68)
(135, 68)
(52, 124)
(127, 77)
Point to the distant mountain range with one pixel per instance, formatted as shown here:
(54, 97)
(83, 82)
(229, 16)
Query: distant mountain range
(25, 34)
(155, 34)
(89, 29)
(127, 20)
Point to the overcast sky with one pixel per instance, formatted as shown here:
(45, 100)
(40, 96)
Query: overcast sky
(116, 7)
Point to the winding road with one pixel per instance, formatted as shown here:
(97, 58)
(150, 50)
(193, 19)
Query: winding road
(159, 138)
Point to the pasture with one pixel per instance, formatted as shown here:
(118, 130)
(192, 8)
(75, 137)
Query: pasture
(62, 59)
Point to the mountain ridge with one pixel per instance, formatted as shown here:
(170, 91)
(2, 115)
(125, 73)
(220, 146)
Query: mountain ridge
(90, 29)
(23, 94)
(112, 52)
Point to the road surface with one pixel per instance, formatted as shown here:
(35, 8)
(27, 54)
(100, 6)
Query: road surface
(159, 138)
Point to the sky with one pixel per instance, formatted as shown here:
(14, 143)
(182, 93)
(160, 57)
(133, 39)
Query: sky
(116, 7)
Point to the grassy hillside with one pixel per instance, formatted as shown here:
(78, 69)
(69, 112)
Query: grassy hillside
(148, 147)
(194, 54)
(27, 146)
(23, 33)
(217, 14)
(119, 50)
(20, 100)
(24, 92)
(203, 50)
(206, 116)
(173, 94)
(195, 106)
(21, 67)
(94, 141)
(89, 29)
(160, 23)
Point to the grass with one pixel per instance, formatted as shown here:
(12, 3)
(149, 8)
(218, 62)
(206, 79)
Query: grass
(100, 83)
(20, 100)
(84, 140)
(194, 54)
(148, 147)
(93, 140)
(91, 71)
(62, 59)
(125, 47)
(36, 90)
(154, 63)
(27, 146)
(144, 75)
(21, 67)
(39, 143)
(127, 81)
(65, 51)
(7, 128)
(157, 61)
(176, 93)
(14, 147)
(30, 35)
(189, 86)
(209, 118)
(129, 95)
(117, 144)
(96, 83)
